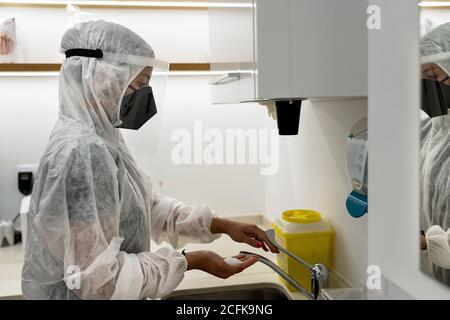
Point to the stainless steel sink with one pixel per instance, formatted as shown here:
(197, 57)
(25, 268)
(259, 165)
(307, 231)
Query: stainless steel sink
(11, 298)
(259, 291)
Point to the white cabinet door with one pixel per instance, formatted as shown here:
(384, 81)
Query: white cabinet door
(297, 49)
(311, 48)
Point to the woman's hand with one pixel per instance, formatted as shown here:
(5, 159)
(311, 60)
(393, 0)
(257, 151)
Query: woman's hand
(243, 232)
(214, 264)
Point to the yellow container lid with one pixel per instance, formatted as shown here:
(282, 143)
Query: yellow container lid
(301, 216)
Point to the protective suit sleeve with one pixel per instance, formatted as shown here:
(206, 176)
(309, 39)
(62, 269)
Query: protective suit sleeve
(78, 221)
(438, 246)
(176, 223)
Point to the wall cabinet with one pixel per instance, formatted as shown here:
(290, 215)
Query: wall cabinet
(296, 49)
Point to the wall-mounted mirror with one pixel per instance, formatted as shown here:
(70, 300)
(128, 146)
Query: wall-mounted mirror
(435, 143)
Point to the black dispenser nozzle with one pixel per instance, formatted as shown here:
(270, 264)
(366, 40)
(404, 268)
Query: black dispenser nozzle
(288, 116)
(25, 182)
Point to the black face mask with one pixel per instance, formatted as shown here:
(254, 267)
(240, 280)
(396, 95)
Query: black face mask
(137, 108)
(435, 97)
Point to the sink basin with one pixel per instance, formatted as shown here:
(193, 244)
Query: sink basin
(19, 297)
(259, 291)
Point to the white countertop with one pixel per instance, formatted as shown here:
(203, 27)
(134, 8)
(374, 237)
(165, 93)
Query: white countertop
(11, 261)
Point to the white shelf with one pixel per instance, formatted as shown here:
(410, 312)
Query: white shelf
(130, 4)
(434, 4)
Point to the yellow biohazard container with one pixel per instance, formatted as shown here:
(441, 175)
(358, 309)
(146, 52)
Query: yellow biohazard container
(307, 235)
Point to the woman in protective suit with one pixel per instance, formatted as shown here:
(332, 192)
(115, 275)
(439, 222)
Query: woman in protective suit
(435, 154)
(93, 212)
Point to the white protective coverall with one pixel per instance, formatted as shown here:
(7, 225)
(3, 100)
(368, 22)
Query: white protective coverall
(93, 211)
(435, 168)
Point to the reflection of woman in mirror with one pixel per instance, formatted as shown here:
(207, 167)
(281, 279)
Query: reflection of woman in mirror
(435, 163)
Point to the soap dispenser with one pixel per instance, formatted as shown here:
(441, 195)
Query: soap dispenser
(357, 151)
(287, 114)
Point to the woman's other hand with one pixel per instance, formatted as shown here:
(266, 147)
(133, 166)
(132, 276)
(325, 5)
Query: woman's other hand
(214, 264)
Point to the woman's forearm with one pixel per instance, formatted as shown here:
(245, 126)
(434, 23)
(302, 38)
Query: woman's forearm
(219, 225)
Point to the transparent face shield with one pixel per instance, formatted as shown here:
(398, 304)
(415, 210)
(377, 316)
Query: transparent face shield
(435, 84)
(142, 104)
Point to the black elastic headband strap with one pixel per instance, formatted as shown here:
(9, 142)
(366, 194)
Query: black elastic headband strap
(84, 53)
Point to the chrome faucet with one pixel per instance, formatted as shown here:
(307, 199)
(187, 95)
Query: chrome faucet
(319, 273)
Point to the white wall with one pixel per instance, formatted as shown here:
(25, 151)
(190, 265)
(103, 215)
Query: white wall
(313, 175)
(432, 17)
(394, 153)
(225, 188)
(29, 109)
